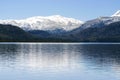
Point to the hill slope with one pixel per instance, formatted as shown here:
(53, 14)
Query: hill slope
(13, 33)
(107, 33)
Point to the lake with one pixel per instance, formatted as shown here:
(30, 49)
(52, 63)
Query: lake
(48, 61)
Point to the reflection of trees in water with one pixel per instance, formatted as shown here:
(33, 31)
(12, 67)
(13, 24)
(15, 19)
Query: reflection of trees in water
(101, 55)
(37, 55)
(59, 56)
(4, 48)
(8, 54)
(8, 51)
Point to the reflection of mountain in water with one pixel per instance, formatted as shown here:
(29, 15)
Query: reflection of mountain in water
(59, 56)
(101, 55)
(37, 56)
(44, 56)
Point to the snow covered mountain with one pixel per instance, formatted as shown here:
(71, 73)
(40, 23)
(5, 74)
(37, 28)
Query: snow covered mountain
(117, 14)
(99, 29)
(45, 23)
(101, 21)
(98, 22)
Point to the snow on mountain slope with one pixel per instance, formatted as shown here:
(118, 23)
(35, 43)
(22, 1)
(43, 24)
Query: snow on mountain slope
(45, 23)
(99, 22)
(117, 14)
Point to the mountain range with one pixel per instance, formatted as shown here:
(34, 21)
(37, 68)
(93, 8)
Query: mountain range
(61, 29)
(45, 23)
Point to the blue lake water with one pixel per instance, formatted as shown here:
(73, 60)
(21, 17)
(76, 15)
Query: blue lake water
(43, 61)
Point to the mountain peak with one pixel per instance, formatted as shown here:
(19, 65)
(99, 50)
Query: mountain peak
(117, 14)
(56, 16)
(45, 23)
(39, 17)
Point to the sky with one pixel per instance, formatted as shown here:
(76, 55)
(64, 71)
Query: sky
(79, 9)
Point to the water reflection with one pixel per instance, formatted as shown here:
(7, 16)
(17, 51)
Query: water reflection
(102, 55)
(37, 56)
(58, 55)
(75, 58)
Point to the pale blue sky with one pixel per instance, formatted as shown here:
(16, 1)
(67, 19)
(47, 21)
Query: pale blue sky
(79, 9)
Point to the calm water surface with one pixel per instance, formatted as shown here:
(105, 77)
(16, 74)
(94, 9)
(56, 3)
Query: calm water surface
(33, 61)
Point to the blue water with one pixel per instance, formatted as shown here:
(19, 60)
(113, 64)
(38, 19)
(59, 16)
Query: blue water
(43, 61)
